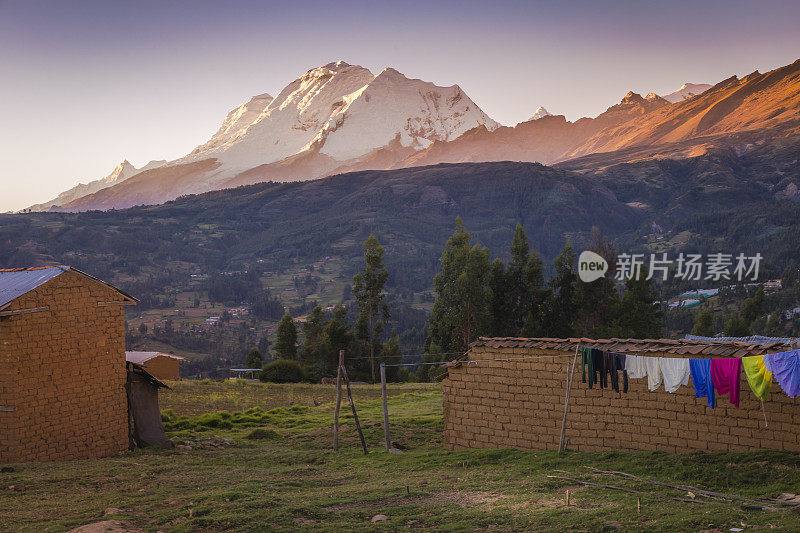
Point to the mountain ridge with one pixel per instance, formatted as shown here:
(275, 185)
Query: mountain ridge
(340, 125)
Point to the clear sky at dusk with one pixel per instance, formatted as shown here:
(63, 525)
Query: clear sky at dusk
(84, 85)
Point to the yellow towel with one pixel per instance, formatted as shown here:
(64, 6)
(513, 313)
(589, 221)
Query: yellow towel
(759, 378)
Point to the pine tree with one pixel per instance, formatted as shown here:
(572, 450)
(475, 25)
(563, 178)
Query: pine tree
(597, 300)
(368, 293)
(461, 311)
(313, 336)
(704, 323)
(337, 336)
(286, 342)
(524, 285)
(638, 313)
(501, 318)
(253, 359)
(560, 303)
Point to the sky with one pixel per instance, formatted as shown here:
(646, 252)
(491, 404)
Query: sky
(85, 85)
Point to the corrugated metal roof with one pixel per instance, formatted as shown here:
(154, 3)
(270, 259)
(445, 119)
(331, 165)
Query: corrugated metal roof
(18, 281)
(14, 282)
(141, 357)
(752, 339)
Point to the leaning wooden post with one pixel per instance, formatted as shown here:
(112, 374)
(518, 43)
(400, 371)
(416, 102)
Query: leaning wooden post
(338, 401)
(385, 408)
(570, 373)
(353, 407)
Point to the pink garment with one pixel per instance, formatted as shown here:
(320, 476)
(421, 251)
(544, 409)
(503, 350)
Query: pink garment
(725, 374)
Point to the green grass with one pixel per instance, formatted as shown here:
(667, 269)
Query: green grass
(280, 473)
(190, 397)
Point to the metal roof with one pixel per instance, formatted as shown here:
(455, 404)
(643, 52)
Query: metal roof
(18, 281)
(752, 339)
(14, 282)
(141, 357)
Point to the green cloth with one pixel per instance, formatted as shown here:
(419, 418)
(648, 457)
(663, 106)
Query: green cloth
(759, 378)
(586, 359)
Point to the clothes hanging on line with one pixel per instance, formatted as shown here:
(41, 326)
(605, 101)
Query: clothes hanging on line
(634, 366)
(726, 374)
(653, 367)
(675, 372)
(759, 378)
(785, 366)
(701, 380)
(614, 363)
(595, 360)
(586, 360)
(599, 376)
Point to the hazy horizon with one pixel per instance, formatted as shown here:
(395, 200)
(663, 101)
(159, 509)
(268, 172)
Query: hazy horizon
(88, 84)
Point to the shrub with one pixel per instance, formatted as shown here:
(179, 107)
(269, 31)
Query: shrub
(259, 434)
(283, 371)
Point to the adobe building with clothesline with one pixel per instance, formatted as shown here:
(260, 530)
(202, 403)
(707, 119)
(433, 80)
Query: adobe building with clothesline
(511, 393)
(62, 366)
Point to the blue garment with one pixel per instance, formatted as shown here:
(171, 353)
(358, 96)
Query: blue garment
(701, 379)
(785, 368)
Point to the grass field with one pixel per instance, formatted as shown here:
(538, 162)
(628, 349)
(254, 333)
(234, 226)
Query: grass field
(271, 467)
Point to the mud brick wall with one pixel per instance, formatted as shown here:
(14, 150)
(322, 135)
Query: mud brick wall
(520, 404)
(63, 372)
(165, 368)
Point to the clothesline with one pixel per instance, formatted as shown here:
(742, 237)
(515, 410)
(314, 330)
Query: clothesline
(470, 361)
(708, 375)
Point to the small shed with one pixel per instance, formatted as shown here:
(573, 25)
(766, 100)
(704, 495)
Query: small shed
(144, 416)
(163, 366)
(62, 373)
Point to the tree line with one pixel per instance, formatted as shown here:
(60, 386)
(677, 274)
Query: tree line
(475, 296)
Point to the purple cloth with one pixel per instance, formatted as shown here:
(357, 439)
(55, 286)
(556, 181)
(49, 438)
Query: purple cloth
(785, 368)
(701, 379)
(726, 373)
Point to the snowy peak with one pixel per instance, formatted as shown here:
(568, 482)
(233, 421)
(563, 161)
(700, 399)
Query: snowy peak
(539, 113)
(121, 172)
(686, 91)
(342, 111)
(392, 106)
(240, 118)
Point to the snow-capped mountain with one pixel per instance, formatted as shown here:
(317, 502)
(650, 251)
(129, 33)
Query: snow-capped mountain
(342, 111)
(687, 90)
(539, 113)
(329, 116)
(121, 172)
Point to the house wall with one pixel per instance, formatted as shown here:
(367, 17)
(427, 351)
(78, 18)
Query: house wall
(520, 404)
(163, 368)
(63, 371)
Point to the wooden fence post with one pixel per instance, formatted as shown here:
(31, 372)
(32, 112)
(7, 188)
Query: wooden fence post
(570, 374)
(353, 407)
(338, 402)
(385, 408)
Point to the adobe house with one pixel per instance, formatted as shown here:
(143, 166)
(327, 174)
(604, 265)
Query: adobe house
(62, 366)
(513, 396)
(161, 365)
